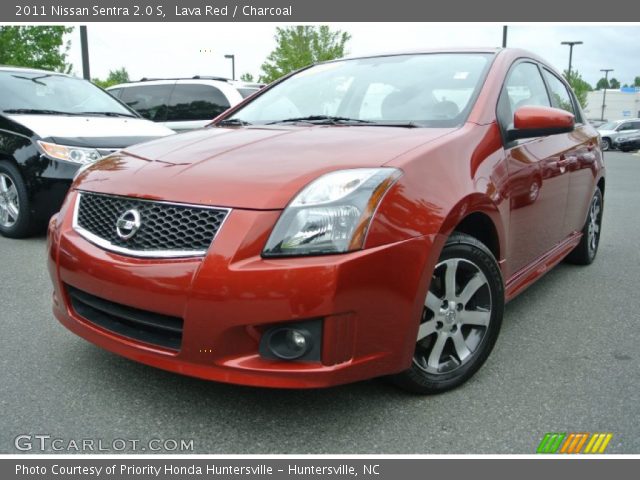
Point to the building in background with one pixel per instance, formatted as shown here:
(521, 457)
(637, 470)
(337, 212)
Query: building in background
(619, 104)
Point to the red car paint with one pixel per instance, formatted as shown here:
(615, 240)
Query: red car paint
(535, 194)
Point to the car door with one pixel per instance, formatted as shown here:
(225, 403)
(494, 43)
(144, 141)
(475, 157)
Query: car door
(579, 155)
(624, 130)
(538, 182)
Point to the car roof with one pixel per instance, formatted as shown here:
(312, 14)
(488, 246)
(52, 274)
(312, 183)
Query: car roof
(195, 78)
(425, 51)
(11, 68)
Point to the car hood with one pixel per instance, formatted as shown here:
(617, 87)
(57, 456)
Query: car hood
(254, 168)
(92, 131)
(606, 132)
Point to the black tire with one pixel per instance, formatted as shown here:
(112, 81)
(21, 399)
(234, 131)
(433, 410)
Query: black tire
(605, 144)
(625, 150)
(585, 252)
(466, 253)
(23, 225)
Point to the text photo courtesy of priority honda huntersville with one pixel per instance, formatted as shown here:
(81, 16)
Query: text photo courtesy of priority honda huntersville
(359, 218)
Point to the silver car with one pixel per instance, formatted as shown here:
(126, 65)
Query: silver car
(610, 131)
(183, 103)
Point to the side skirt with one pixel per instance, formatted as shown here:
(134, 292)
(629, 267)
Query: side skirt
(527, 275)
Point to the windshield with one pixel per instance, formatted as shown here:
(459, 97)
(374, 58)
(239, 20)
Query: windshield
(608, 126)
(427, 90)
(30, 92)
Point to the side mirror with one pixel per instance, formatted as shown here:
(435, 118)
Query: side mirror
(531, 122)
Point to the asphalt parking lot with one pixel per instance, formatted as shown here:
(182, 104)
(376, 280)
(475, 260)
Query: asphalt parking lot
(567, 360)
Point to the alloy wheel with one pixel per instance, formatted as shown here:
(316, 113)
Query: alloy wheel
(593, 228)
(455, 317)
(9, 202)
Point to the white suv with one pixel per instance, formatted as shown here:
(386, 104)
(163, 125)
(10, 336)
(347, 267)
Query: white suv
(183, 103)
(610, 131)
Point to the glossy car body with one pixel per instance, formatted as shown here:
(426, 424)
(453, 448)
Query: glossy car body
(526, 200)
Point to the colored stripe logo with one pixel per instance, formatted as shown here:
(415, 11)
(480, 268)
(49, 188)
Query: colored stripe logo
(574, 443)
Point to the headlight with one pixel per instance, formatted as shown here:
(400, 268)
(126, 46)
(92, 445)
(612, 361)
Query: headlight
(331, 214)
(78, 155)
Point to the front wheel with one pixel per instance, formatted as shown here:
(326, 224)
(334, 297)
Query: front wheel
(461, 318)
(15, 221)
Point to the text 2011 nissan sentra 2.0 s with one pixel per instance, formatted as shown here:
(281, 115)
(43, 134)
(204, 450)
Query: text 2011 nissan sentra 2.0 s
(359, 218)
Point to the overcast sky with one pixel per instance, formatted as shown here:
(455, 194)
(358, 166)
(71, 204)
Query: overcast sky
(186, 49)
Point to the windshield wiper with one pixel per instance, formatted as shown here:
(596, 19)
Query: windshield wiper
(37, 111)
(108, 114)
(233, 121)
(323, 120)
(394, 124)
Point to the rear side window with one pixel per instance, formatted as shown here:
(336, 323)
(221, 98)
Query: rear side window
(196, 102)
(245, 92)
(629, 126)
(150, 101)
(524, 87)
(115, 92)
(560, 96)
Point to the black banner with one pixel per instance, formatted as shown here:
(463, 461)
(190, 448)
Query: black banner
(291, 11)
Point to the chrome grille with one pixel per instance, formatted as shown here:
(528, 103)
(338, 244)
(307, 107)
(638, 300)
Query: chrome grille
(166, 229)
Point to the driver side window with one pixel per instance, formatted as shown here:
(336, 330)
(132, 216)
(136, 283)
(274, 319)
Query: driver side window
(524, 87)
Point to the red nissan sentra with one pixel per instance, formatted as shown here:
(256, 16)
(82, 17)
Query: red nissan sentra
(359, 218)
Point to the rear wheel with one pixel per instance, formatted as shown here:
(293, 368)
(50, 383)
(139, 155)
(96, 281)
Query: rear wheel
(585, 252)
(461, 318)
(605, 144)
(15, 219)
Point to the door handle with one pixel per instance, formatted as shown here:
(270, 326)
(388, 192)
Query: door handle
(564, 161)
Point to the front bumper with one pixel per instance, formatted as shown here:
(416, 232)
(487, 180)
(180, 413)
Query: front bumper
(369, 303)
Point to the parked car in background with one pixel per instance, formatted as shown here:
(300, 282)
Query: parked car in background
(628, 143)
(183, 103)
(610, 131)
(50, 125)
(358, 218)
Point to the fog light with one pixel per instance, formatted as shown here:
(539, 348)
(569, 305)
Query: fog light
(289, 343)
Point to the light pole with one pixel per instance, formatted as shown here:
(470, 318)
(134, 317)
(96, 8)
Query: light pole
(571, 44)
(233, 65)
(606, 84)
(504, 36)
(84, 48)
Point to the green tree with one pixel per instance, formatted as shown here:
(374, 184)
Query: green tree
(579, 86)
(247, 77)
(613, 83)
(35, 47)
(115, 77)
(636, 82)
(602, 83)
(300, 46)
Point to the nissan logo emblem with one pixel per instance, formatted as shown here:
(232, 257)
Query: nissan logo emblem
(128, 224)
